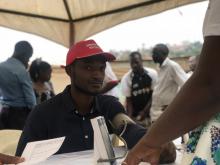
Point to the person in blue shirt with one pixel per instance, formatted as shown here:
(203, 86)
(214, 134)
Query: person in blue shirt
(17, 92)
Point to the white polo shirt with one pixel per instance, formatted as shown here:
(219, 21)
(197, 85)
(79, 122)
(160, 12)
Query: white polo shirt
(211, 26)
(110, 76)
(126, 81)
(170, 78)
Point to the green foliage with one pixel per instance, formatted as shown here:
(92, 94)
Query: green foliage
(182, 50)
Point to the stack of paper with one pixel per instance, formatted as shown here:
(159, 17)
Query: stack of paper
(38, 151)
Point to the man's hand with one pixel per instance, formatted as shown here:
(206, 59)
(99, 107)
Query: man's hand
(6, 159)
(142, 153)
(142, 115)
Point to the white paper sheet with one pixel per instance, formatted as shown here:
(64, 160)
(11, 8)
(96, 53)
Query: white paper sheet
(87, 158)
(38, 151)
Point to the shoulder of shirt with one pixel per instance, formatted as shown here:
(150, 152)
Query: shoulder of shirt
(150, 69)
(107, 102)
(127, 74)
(152, 72)
(103, 97)
(172, 62)
(13, 64)
(175, 65)
(49, 105)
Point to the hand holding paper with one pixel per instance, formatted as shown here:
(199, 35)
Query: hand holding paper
(38, 151)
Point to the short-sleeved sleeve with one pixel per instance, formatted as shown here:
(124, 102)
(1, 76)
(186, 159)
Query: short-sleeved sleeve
(179, 75)
(110, 106)
(109, 74)
(28, 92)
(211, 26)
(126, 84)
(153, 74)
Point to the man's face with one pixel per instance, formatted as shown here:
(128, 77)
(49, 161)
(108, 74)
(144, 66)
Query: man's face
(192, 63)
(136, 63)
(87, 74)
(157, 56)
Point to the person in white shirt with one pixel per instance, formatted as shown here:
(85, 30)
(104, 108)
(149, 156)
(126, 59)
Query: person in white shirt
(192, 62)
(170, 78)
(137, 86)
(196, 103)
(110, 82)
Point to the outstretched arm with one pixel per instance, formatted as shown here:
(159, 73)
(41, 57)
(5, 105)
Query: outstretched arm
(129, 106)
(109, 85)
(196, 103)
(7, 159)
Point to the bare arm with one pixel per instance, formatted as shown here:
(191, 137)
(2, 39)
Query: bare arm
(109, 85)
(146, 111)
(196, 102)
(129, 106)
(7, 159)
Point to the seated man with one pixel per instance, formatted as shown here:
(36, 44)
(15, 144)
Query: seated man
(68, 114)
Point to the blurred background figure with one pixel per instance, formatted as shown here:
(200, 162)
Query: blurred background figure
(16, 87)
(171, 77)
(40, 72)
(137, 86)
(110, 82)
(192, 62)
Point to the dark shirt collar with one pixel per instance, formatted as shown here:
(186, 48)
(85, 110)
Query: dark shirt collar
(70, 106)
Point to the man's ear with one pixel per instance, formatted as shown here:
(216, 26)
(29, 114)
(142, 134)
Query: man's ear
(68, 70)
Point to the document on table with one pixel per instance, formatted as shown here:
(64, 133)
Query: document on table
(38, 151)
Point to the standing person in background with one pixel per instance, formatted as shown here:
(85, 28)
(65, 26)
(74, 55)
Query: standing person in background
(196, 104)
(110, 82)
(16, 86)
(170, 78)
(40, 72)
(192, 62)
(137, 86)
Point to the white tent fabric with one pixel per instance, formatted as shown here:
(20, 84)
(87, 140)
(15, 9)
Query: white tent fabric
(68, 21)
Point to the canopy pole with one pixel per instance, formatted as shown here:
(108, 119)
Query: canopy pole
(71, 25)
(72, 32)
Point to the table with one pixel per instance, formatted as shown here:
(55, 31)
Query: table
(86, 157)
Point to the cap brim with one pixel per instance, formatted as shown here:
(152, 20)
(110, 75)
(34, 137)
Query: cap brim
(62, 66)
(109, 57)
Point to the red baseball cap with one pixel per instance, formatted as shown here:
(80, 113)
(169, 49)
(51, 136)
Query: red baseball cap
(85, 49)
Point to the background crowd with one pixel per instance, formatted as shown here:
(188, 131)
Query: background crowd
(155, 111)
